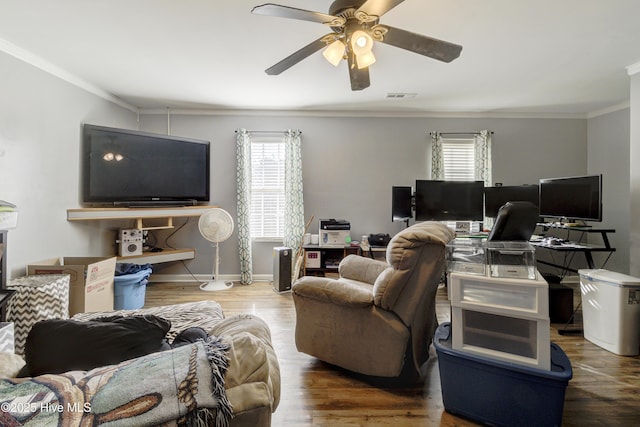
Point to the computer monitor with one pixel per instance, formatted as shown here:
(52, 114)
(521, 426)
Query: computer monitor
(401, 203)
(572, 198)
(496, 197)
(437, 200)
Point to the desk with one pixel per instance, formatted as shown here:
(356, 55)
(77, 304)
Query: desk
(319, 260)
(374, 252)
(576, 247)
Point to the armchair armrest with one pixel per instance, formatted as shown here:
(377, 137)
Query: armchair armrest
(341, 292)
(361, 268)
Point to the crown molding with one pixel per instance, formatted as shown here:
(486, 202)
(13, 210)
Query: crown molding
(46, 66)
(633, 69)
(611, 109)
(357, 113)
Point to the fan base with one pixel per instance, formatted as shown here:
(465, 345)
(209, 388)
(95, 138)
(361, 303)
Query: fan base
(216, 286)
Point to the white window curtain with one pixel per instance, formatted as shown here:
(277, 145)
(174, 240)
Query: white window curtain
(294, 203)
(482, 170)
(293, 215)
(243, 181)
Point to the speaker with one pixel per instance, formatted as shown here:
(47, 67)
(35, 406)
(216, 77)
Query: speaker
(282, 269)
(131, 241)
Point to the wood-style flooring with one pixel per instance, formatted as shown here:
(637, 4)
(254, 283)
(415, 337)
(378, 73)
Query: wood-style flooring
(604, 391)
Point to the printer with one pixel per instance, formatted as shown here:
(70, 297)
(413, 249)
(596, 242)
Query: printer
(334, 233)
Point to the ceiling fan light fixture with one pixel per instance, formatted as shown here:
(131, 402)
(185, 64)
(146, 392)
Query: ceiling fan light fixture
(361, 42)
(361, 45)
(334, 52)
(365, 59)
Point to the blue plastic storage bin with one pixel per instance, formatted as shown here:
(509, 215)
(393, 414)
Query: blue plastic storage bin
(499, 393)
(130, 289)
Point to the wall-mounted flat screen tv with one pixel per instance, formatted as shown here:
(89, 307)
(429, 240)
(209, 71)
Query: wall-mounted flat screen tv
(572, 198)
(129, 168)
(449, 200)
(496, 197)
(401, 203)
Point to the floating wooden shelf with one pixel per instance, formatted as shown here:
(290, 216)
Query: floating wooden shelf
(140, 214)
(166, 255)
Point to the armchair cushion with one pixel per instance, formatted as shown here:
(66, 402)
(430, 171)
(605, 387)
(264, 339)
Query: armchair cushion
(347, 292)
(361, 268)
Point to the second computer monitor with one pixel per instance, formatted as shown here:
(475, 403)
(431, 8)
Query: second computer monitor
(449, 200)
(496, 197)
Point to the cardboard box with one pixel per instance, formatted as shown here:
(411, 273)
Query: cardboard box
(91, 283)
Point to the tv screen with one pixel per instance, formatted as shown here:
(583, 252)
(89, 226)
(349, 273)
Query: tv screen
(125, 167)
(578, 197)
(401, 203)
(449, 200)
(496, 197)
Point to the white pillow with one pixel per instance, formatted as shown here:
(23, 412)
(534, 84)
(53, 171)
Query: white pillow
(10, 364)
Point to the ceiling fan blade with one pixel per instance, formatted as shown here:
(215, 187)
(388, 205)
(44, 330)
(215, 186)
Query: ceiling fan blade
(378, 7)
(423, 45)
(359, 76)
(296, 57)
(271, 9)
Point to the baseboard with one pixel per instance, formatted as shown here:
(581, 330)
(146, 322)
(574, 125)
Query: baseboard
(183, 278)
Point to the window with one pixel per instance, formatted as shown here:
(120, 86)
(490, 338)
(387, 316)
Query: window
(267, 188)
(458, 156)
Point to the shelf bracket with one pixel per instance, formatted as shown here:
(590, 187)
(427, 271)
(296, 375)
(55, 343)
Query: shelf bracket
(140, 225)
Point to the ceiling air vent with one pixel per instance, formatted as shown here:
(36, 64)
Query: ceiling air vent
(401, 95)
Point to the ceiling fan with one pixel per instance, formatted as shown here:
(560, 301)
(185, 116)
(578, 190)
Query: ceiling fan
(355, 26)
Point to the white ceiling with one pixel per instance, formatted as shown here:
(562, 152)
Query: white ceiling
(561, 57)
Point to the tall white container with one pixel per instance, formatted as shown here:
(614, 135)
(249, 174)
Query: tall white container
(611, 310)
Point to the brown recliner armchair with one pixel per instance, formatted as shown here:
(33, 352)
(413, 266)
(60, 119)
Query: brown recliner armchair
(377, 316)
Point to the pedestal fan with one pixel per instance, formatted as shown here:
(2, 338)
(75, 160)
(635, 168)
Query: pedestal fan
(216, 225)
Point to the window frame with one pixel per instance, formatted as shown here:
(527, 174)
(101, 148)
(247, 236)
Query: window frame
(268, 190)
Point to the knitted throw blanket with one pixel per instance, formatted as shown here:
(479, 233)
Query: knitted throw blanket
(183, 386)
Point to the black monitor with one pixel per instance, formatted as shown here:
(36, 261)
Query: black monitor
(572, 198)
(121, 166)
(449, 200)
(401, 203)
(496, 197)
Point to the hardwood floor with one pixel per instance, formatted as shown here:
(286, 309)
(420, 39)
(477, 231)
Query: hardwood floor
(604, 391)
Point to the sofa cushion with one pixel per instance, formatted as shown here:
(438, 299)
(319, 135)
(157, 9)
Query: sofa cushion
(253, 377)
(10, 364)
(55, 346)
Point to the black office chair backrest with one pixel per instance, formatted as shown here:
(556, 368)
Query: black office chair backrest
(516, 221)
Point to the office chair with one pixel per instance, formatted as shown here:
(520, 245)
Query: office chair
(516, 221)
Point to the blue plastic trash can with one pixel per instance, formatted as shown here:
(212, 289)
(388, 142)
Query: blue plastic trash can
(130, 290)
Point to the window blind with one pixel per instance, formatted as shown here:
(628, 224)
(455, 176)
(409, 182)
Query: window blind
(459, 159)
(267, 188)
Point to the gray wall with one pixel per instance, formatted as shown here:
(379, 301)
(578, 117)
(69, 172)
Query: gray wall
(634, 161)
(608, 137)
(40, 124)
(350, 164)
